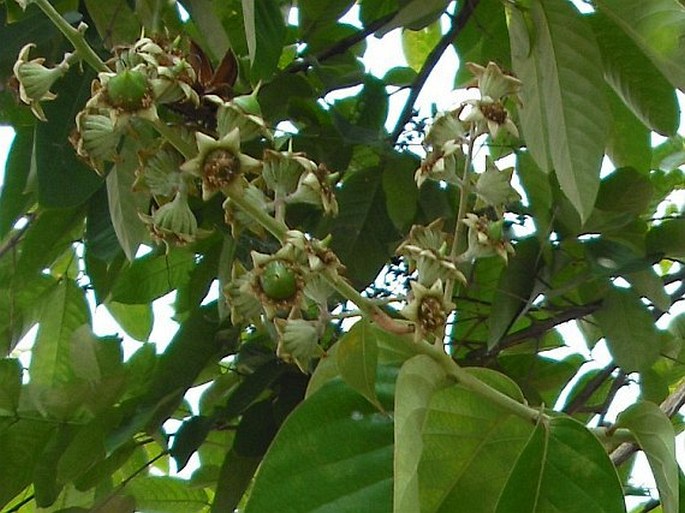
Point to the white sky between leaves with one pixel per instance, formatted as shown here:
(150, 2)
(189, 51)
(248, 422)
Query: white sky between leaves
(380, 56)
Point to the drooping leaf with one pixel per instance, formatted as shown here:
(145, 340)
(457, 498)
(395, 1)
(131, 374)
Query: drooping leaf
(648, 283)
(309, 470)
(136, 320)
(654, 432)
(268, 37)
(125, 204)
(548, 478)
(565, 115)
(632, 337)
(634, 78)
(357, 357)
(419, 378)
(401, 193)
(415, 14)
(188, 438)
(629, 143)
(657, 27)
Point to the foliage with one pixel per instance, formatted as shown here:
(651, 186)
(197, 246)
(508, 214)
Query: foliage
(385, 310)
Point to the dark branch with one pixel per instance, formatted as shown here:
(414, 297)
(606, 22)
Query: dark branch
(340, 47)
(458, 23)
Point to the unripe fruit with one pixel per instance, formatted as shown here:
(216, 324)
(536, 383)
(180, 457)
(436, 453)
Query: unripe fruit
(278, 281)
(128, 90)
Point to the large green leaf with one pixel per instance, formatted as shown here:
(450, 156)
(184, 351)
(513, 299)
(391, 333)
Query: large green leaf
(565, 116)
(163, 494)
(419, 378)
(655, 434)
(563, 469)
(469, 447)
(64, 311)
(632, 337)
(135, 320)
(657, 27)
(635, 79)
(332, 455)
(265, 35)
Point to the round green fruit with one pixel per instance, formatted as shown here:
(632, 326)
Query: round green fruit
(128, 90)
(278, 281)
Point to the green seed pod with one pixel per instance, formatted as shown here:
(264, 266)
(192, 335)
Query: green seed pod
(128, 90)
(278, 281)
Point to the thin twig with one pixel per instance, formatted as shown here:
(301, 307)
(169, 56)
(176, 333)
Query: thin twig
(458, 23)
(340, 47)
(16, 237)
(590, 388)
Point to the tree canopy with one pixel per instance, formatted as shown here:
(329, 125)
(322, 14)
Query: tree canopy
(367, 312)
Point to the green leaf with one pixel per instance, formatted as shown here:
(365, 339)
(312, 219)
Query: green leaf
(14, 198)
(469, 447)
(419, 378)
(647, 283)
(100, 238)
(417, 44)
(549, 477)
(657, 27)
(484, 38)
(635, 79)
(362, 232)
(63, 179)
(152, 276)
(399, 76)
(163, 494)
(626, 191)
(415, 15)
(514, 289)
(10, 385)
(234, 477)
(632, 337)
(188, 438)
(269, 36)
(565, 116)
(64, 310)
(654, 432)
(357, 357)
(320, 12)
(667, 239)
(629, 142)
(125, 204)
(136, 320)
(309, 469)
(401, 193)
(21, 445)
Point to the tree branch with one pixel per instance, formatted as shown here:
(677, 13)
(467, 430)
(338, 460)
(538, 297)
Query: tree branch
(458, 23)
(669, 406)
(16, 237)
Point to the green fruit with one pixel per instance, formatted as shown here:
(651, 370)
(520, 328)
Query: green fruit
(128, 90)
(278, 281)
